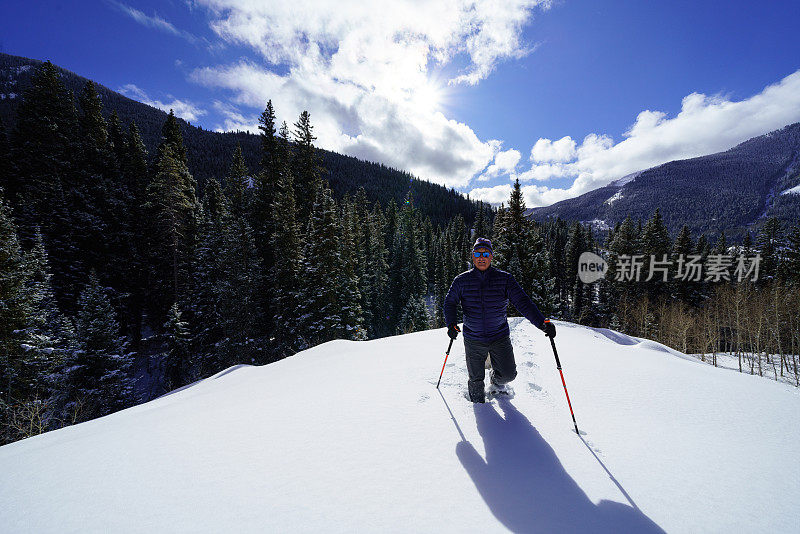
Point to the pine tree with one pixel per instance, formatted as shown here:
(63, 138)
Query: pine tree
(407, 275)
(236, 184)
(97, 374)
(683, 247)
(50, 335)
(135, 176)
(319, 311)
(176, 357)
(171, 210)
(171, 137)
(414, 316)
(116, 137)
(240, 270)
(656, 244)
(543, 285)
(306, 167)
(352, 315)
(274, 157)
(376, 275)
(576, 245)
(43, 147)
(625, 242)
(481, 225)
(15, 309)
(286, 273)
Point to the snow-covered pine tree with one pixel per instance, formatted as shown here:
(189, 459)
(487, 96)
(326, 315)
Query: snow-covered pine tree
(200, 304)
(305, 165)
(352, 316)
(655, 242)
(377, 275)
(441, 284)
(96, 375)
(542, 289)
(236, 294)
(414, 316)
(318, 307)
(360, 224)
(177, 339)
(14, 312)
(285, 274)
(236, 184)
(576, 244)
(171, 208)
(407, 275)
(50, 335)
(481, 226)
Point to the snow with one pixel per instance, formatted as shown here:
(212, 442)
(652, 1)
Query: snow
(598, 224)
(616, 196)
(354, 436)
(792, 191)
(626, 179)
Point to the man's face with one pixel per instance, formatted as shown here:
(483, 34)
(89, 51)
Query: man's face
(482, 263)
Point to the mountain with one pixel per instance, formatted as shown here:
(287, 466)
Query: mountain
(210, 153)
(732, 191)
(354, 436)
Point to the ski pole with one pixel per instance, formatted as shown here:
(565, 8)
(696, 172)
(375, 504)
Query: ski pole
(558, 365)
(446, 354)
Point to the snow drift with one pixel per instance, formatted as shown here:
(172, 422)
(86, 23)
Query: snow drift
(354, 436)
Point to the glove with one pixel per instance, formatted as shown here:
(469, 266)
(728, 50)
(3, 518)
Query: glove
(453, 331)
(549, 328)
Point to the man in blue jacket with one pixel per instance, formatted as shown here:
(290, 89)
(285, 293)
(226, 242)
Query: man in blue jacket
(484, 292)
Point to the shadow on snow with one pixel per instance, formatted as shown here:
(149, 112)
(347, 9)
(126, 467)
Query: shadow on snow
(525, 485)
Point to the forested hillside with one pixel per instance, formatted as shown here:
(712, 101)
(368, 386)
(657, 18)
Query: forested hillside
(209, 153)
(732, 191)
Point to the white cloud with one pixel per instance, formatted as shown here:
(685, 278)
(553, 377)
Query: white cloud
(371, 74)
(234, 120)
(500, 194)
(153, 21)
(182, 108)
(504, 162)
(546, 150)
(705, 125)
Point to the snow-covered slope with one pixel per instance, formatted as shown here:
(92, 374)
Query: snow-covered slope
(355, 437)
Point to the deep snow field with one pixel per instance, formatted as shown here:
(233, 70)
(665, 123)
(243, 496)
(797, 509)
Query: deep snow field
(355, 437)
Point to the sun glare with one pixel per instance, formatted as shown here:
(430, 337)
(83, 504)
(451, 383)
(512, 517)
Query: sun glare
(427, 97)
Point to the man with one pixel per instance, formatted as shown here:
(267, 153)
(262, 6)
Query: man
(484, 292)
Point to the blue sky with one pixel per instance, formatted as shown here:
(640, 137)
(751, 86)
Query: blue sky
(564, 95)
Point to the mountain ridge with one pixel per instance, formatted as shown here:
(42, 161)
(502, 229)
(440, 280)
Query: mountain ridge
(732, 191)
(210, 153)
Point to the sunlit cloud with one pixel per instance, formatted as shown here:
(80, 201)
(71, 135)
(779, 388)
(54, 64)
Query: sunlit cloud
(376, 77)
(704, 125)
(182, 108)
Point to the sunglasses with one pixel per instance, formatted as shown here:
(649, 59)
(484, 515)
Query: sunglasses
(479, 254)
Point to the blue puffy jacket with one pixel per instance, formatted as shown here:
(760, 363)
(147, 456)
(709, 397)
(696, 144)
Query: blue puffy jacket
(484, 299)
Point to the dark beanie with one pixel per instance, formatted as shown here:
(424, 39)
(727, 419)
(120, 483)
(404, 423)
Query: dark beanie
(482, 242)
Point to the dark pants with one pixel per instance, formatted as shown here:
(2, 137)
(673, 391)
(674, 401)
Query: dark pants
(501, 354)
